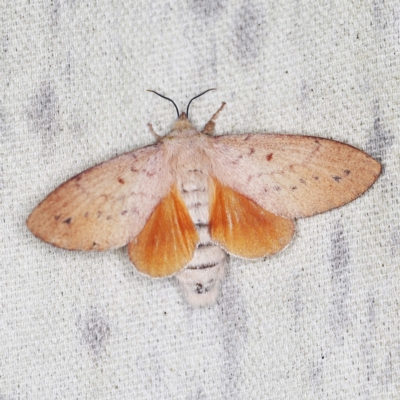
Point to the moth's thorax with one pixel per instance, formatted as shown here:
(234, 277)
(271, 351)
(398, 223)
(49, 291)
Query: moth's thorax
(187, 151)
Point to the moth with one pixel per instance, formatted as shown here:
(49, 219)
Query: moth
(186, 201)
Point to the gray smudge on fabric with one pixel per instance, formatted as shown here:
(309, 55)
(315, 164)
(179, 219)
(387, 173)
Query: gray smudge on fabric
(378, 14)
(395, 241)
(297, 301)
(381, 138)
(207, 8)
(233, 327)
(44, 113)
(95, 330)
(247, 31)
(340, 278)
(317, 374)
(367, 346)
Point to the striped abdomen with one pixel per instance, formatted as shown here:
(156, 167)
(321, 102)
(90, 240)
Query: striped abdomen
(201, 279)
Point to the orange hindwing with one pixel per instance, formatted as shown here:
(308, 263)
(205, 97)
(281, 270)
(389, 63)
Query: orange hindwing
(168, 240)
(243, 228)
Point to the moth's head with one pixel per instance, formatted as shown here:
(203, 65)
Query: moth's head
(182, 123)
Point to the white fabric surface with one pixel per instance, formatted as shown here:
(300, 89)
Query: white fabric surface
(319, 320)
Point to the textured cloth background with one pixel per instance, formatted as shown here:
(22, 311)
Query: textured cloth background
(319, 320)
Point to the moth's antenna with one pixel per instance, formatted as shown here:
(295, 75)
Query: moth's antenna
(166, 98)
(201, 94)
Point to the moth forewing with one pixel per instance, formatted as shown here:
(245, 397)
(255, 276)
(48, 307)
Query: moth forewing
(293, 176)
(105, 206)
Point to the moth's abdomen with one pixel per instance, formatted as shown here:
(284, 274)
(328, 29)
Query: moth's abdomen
(200, 280)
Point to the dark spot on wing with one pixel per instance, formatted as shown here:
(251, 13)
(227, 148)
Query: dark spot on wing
(269, 156)
(302, 181)
(99, 213)
(78, 177)
(316, 177)
(293, 187)
(133, 169)
(124, 212)
(265, 190)
(235, 162)
(57, 217)
(67, 221)
(108, 217)
(135, 211)
(86, 214)
(337, 178)
(347, 172)
(121, 181)
(251, 151)
(247, 137)
(277, 188)
(94, 244)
